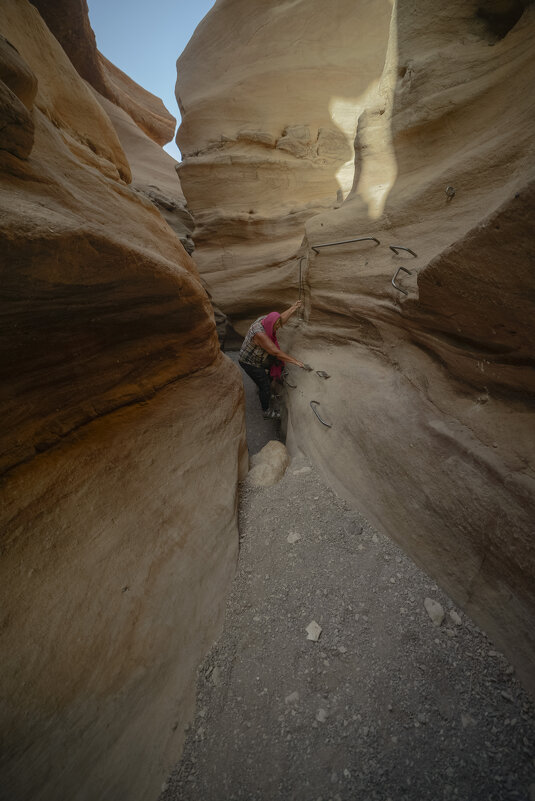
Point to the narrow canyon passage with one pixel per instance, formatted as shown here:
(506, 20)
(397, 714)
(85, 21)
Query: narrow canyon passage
(384, 705)
(363, 626)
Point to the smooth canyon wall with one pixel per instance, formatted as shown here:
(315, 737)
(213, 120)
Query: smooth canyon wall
(431, 388)
(122, 442)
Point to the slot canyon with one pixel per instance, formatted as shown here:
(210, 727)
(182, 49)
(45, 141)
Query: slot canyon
(375, 161)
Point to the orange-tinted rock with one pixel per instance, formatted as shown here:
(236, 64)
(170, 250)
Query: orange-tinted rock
(16, 75)
(117, 409)
(146, 109)
(69, 22)
(153, 172)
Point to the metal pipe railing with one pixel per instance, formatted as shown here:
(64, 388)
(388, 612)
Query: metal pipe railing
(345, 242)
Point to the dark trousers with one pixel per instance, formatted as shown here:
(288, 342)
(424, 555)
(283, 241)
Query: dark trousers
(262, 380)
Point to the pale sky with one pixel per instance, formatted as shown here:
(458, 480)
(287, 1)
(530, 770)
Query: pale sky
(144, 39)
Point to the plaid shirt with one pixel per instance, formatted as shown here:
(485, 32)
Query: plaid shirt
(251, 353)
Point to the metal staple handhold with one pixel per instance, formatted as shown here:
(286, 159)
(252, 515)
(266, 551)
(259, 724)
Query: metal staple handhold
(345, 242)
(316, 413)
(399, 288)
(322, 374)
(285, 379)
(395, 248)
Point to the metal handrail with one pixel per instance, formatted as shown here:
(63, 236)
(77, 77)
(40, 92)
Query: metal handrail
(399, 288)
(316, 413)
(395, 248)
(345, 242)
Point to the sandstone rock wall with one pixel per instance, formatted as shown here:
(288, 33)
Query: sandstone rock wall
(68, 20)
(269, 94)
(431, 390)
(140, 119)
(154, 172)
(117, 405)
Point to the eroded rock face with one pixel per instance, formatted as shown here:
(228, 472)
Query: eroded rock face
(431, 388)
(117, 406)
(141, 121)
(269, 94)
(153, 172)
(69, 22)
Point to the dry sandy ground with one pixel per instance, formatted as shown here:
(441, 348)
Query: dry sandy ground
(385, 705)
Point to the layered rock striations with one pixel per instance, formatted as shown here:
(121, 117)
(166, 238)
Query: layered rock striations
(117, 406)
(269, 94)
(69, 21)
(140, 119)
(153, 172)
(430, 394)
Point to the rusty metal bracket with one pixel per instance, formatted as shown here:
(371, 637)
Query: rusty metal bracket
(395, 248)
(345, 242)
(399, 288)
(312, 406)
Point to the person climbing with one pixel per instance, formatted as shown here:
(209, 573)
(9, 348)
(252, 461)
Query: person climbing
(260, 354)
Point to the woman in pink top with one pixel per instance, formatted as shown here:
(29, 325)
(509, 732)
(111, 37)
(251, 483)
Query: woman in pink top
(260, 349)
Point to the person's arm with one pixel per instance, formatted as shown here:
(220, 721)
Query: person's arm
(265, 342)
(285, 316)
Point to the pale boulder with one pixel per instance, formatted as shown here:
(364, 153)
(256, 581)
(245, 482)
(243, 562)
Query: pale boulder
(268, 465)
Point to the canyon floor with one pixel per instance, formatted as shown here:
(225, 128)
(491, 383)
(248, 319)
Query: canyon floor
(385, 705)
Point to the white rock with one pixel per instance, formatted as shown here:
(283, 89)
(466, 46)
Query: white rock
(321, 715)
(313, 631)
(293, 536)
(293, 698)
(455, 617)
(301, 471)
(434, 610)
(268, 465)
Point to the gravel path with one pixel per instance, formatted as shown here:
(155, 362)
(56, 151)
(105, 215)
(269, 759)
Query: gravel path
(385, 705)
